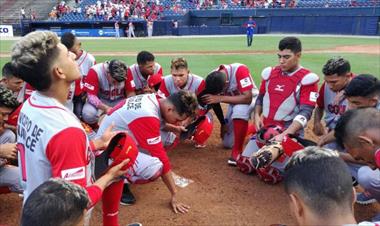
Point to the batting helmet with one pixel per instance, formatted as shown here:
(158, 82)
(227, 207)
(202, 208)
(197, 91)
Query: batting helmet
(203, 131)
(120, 148)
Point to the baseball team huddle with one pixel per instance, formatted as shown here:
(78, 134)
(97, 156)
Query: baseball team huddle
(108, 126)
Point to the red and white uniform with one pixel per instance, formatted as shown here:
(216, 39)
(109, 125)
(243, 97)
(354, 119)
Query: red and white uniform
(333, 103)
(47, 148)
(140, 116)
(135, 80)
(85, 62)
(100, 84)
(240, 80)
(194, 84)
(284, 93)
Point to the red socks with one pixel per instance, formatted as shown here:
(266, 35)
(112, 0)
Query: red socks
(111, 202)
(240, 131)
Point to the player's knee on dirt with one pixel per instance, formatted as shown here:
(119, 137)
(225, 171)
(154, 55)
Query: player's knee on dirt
(90, 114)
(370, 180)
(148, 173)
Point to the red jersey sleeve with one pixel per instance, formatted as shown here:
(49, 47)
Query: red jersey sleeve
(201, 87)
(28, 91)
(160, 71)
(91, 83)
(244, 79)
(262, 87)
(129, 83)
(309, 94)
(163, 89)
(68, 159)
(321, 97)
(146, 130)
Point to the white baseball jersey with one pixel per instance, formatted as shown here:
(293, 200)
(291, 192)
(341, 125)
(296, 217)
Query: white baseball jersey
(194, 84)
(100, 84)
(140, 116)
(239, 79)
(85, 62)
(135, 80)
(46, 146)
(333, 103)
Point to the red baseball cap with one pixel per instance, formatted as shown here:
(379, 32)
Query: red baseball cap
(155, 79)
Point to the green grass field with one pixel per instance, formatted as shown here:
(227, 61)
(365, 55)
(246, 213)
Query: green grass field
(203, 63)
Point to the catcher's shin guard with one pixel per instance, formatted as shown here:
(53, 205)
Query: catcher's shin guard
(244, 164)
(270, 175)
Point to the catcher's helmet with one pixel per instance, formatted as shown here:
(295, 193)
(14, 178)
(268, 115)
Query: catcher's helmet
(266, 133)
(118, 70)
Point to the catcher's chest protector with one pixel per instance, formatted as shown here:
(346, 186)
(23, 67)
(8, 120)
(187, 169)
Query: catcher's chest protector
(280, 97)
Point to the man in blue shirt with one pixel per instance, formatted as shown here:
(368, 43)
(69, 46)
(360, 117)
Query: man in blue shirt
(250, 25)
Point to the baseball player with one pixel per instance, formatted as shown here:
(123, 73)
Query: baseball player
(182, 79)
(142, 116)
(250, 26)
(138, 74)
(240, 93)
(12, 82)
(318, 187)
(105, 87)
(288, 93)
(331, 99)
(46, 148)
(363, 91)
(358, 131)
(85, 61)
(9, 174)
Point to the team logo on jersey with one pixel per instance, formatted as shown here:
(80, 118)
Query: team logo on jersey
(74, 173)
(154, 140)
(279, 88)
(89, 86)
(133, 85)
(313, 96)
(245, 82)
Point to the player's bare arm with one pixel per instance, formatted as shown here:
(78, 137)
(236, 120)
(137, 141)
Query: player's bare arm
(178, 207)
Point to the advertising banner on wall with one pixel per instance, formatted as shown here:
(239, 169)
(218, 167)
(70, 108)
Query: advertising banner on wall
(6, 31)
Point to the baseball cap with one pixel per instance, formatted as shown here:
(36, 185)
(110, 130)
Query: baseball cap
(154, 80)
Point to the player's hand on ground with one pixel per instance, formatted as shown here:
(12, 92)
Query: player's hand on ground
(223, 130)
(179, 207)
(318, 129)
(258, 122)
(211, 99)
(8, 151)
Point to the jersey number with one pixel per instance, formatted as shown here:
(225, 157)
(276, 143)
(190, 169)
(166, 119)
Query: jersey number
(21, 149)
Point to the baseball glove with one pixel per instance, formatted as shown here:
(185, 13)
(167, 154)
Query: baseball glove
(271, 152)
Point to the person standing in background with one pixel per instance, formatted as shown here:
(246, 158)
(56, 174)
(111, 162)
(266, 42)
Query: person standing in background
(149, 25)
(117, 26)
(250, 25)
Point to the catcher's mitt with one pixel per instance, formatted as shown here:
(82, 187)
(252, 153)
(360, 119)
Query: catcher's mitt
(190, 129)
(121, 147)
(271, 152)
